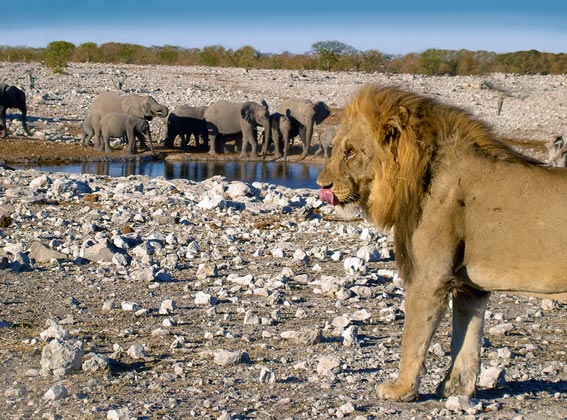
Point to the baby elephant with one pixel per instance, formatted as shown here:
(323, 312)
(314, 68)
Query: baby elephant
(125, 125)
(326, 141)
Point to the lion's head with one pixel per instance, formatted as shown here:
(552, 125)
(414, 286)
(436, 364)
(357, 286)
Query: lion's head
(380, 154)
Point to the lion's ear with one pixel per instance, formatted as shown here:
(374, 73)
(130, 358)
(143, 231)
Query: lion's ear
(397, 123)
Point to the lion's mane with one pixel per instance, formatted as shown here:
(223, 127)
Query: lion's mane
(415, 134)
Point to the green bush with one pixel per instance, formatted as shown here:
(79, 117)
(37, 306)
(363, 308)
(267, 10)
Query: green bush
(57, 54)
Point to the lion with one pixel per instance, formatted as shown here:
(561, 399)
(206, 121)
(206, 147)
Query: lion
(470, 215)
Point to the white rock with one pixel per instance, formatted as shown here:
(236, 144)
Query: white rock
(202, 298)
(59, 354)
(492, 377)
(56, 392)
(267, 376)
(130, 306)
(136, 351)
(328, 365)
(120, 414)
(354, 264)
(229, 357)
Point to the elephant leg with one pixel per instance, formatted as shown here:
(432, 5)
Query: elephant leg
(468, 324)
(305, 142)
(105, 146)
(3, 128)
(213, 143)
(425, 306)
(244, 148)
(24, 121)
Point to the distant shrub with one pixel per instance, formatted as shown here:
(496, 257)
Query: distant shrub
(57, 54)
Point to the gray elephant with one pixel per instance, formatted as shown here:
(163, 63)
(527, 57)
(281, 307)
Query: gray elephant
(306, 113)
(140, 106)
(118, 124)
(186, 121)
(283, 129)
(12, 97)
(326, 141)
(87, 131)
(228, 118)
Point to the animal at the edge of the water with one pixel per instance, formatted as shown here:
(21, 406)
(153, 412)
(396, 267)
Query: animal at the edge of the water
(125, 125)
(326, 141)
(140, 106)
(471, 216)
(306, 113)
(186, 121)
(228, 118)
(284, 129)
(87, 132)
(12, 97)
(557, 152)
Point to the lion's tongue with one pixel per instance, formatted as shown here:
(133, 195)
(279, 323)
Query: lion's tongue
(327, 195)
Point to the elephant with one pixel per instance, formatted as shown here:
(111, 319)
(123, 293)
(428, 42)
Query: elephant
(326, 141)
(283, 129)
(228, 118)
(306, 113)
(12, 97)
(118, 124)
(140, 106)
(185, 121)
(88, 130)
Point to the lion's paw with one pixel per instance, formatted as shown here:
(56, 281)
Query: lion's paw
(453, 386)
(393, 392)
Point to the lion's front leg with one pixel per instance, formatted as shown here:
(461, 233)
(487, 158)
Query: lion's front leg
(424, 308)
(468, 323)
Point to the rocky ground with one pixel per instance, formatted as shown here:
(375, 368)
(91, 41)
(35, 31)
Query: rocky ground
(167, 299)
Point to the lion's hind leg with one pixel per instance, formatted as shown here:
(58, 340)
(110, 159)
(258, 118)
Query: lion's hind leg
(425, 306)
(468, 324)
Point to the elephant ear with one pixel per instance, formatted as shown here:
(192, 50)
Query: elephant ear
(246, 114)
(265, 104)
(322, 111)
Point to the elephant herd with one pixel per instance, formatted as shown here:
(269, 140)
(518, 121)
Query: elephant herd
(212, 127)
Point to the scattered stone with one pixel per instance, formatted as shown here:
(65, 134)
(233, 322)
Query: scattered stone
(136, 351)
(328, 366)
(58, 354)
(267, 376)
(56, 392)
(230, 357)
(119, 414)
(492, 377)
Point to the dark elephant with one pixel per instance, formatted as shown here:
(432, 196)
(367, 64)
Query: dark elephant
(140, 106)
(306, 113)
(227, 118)
(125, 125)
(186, 121)
(283, 129)
(12, 97)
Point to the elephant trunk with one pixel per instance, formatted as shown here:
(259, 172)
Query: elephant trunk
(307, 143)
(161, 111)
(267, 136)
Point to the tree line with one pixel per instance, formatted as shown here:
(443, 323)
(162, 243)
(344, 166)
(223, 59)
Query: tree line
(324, 55)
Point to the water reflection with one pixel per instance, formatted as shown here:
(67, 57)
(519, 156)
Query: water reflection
(291, 174)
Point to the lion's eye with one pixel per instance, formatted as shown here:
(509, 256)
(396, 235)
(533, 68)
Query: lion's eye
(348, 153)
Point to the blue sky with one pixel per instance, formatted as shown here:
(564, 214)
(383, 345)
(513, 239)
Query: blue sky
(392, 27)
